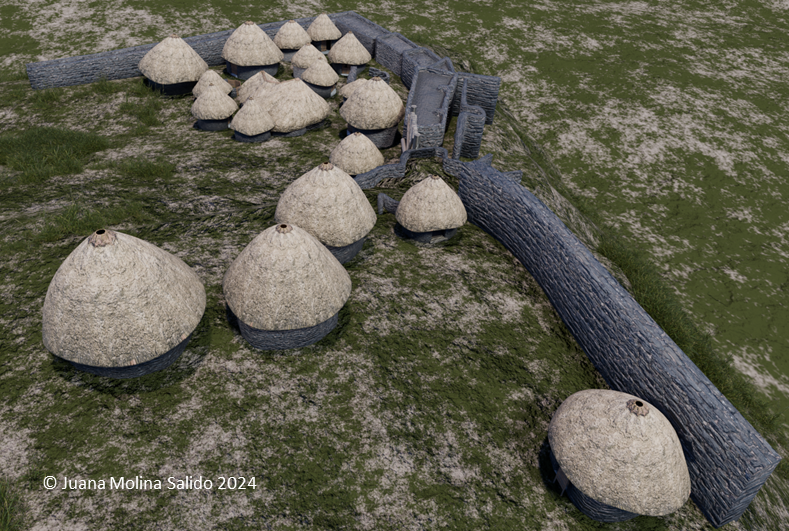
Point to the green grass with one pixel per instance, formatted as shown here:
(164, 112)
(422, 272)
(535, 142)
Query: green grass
(11, 507)
(142, 170)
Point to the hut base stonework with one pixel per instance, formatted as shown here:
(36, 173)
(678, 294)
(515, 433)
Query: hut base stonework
(347, 252)
(382, 138)
(288, 55)
(345, 70)
(212, 125)
(134, 371)
(434, 236)
(298, 132)
(283, 339)
(323, 92)
(246, 72)
(297, 71)
(173, 89)
(262, 137)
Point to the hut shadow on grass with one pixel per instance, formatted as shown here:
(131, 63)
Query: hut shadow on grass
(396, 142)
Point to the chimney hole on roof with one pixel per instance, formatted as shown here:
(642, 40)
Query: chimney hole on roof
(100, 231)
(639, 403)
(283, 226)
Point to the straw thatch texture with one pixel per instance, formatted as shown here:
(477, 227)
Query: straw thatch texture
(327, 203)
(285, 279)
(250, 46)
(619, 453)
(306, 56)
(430, 205)
(349, 88)
(349, 51)
(293, 106)
(356, 154)
(252, 119)
(251, 85)
(374, 105)
(117, 301)
(172, 61)
(321, 74)
(291, 36)
(211, 77)
(323, 29)
(213, 104)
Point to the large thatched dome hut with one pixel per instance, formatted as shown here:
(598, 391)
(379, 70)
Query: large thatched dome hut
(212, 77)
(121, 307)
(617, 456)
(349, 88)
(348, 52)
(375, 110)
(285, 289)
(213, 109)
(294, 107)
(321, 78)
(249, 50)
(290, 38)
(252, 123)
(304, 58)
(172, 66)
(251, 85)
(323, 32)
(330, 205)
(356, 154)
(429, 212)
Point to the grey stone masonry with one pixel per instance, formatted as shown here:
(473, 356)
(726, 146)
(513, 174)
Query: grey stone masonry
(374, 72)
(432, 91)
(727, 458)
(469, 129)
(365, 30)
(412, 60)
(389, 51)
(482, 91)
(397, 170)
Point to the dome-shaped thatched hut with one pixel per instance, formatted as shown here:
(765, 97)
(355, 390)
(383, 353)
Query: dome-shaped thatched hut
(375, 110)
(617, 456)
(212, 77)
(290, 38)
(249, 50)
(285, 289)
(252, 123)
(251, 85)
(356, 154)
(349, 88)
(323, 32)
(348, 52)
(330, 205)
(304, 58)
(213, 109)
(172, 67)
(294, 107)
(321, 78)
(121, 307)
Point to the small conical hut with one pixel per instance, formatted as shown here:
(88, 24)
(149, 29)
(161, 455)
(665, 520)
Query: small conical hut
(290, 38)
(429, 212)
(252, 123)
(304, 58)
(213, 109)
(172, 66)
(617, 456)
(348, 52)
(375, 110)
(251, 85)
(323, 32)
(212, 77)
(294, 107)
(349, 88)
(121, 307)
(330, 205)
(249, 50)
(285, 289)
(321, 78)
(356, 154)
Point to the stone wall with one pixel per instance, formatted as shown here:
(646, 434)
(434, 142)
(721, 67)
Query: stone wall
(470, 126)
(389, 51)
(431, 135)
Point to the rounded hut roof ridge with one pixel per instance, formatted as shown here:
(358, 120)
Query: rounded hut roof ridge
(619, 450)
(252, 119)
(293, 106)
(172, 61)
(349, 51)
(430, 205)
(347, 89)
(251, 85)
(213, 104)
(297, 283)
(208, 77)
(329, 204)
(323, 29)
(162, 303)
(321, 74)
(307, 55)
(291, 36)
(374, 105)
(249, 45)
(356, 154)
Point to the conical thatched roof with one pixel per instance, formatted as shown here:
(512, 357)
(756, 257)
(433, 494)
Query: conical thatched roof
(293, 106)
(250, 46)
(329, 204)
(291, 36)
(210, 76)
(172, 61)
(285, 279)
(374, 105)
(117, 301)
(321, 74)
(619, 450)
(252, 119)
(430, 205)
(349, 51)
(306, 56)
(348, 89)
(356, 154)
(323, 29)
(213, 104)
(249, 86)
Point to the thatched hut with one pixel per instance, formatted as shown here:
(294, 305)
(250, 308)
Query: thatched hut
(348, 52)
(213, 109)
(290, 38)
(121, 307)
(348, 89)
(429, 212)
(321, 78)
(294, 108)
(375, 110)
(617, 456)
(212, 77)
(172, 67)
(356, 154)
(285, 289)
(324, 33)
(330, 205)
(304, 58)
(252, 123)
(251, 85)
(249, 50)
